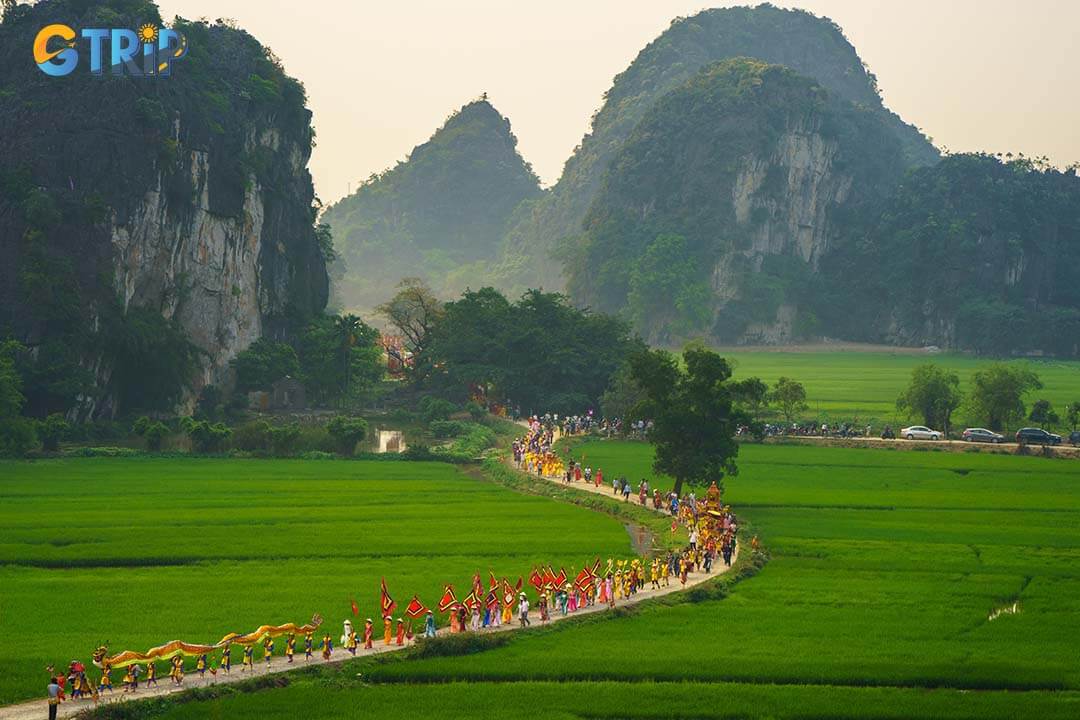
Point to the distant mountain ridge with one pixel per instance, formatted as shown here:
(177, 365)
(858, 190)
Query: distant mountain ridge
(436, 213)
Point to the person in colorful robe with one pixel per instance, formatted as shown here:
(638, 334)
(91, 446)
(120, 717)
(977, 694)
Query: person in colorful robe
(369, 631)
(249, 659)
(105, 683)
(388, 630)
(290, 648)
(350, 641)
(327, 647)
(654, 573)
(200, 666)
(129, 679)
(226, 659)
(307, 647)
(268, 650)
(542, 608)
(151, 674)
(429, 625)
(400, 635)
(177, 671)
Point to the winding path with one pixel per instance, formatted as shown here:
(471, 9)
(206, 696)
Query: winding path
(37, 709)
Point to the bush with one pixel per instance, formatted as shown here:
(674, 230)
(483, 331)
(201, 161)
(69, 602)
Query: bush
(447, 428)
(206, 437)
(17, 436)
(252, 436)
(435, 408)
(315, 438)
(284, 438)
(476, 411)
(155, 435)
(103, 452)
(52, 430)
(347, 431)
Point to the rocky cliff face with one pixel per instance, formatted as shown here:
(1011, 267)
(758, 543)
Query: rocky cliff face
(753, 166)
(187, 196)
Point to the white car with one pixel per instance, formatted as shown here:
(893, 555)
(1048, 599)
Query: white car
(919, 432)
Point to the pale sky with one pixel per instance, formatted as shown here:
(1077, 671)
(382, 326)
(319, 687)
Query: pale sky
(994, 75)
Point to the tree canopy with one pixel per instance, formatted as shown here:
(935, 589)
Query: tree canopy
(997, 394)
(693, 419)
(933, 394)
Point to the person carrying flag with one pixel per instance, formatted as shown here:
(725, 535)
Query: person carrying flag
(249, 659)
(307, 647)
(327, 647)
(388, 630)
(369, 630)
(400, 631)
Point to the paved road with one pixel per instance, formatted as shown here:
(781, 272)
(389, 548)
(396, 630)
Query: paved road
(37, 709)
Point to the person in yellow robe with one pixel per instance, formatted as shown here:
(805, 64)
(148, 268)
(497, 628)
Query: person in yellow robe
(249, 659)
(290, 648)
(106, 682)
(388, 630)
(654, 573)
(268, 650)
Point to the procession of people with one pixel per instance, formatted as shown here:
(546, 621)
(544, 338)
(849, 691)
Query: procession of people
(711, 528)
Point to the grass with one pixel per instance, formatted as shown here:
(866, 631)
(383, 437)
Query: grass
(140, 551)
(841, 386)
(885, 569)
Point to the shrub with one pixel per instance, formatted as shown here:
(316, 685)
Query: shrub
(17, 436)
(315, 438)
(476, 411)
(206, 437)
(447, 428)
(155, 434)
(283, 438)
(52, 430)
(347, 431)
(435, 408)
(252, 436)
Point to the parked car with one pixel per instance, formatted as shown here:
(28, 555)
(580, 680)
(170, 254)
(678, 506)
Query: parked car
(1036, 436)
(1074, 438)
(919, 432)
(982, 435)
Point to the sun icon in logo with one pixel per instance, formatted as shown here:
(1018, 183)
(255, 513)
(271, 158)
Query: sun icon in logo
(148, 33)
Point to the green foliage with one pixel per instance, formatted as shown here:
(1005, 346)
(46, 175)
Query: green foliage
(17, 436)
(347, 431)
(997, 394)
(540, 353)
(252, 436)
(790, 396)
(667, 296)
(154, 361)
(1072, 414)
(934, 393)
(284, 438)
(751, 396)
(433, 408)
(264, 362)
(437, 216)
(622, 395)
(52, 430)
(447, 428)
(206, 437)
(1042, 413)
(340, 358)
(155, 434)
(11, 396)
(693, 419)
(414, 311)
(476, 411)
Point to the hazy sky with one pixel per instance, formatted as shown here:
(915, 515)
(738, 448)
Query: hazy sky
(996, 75)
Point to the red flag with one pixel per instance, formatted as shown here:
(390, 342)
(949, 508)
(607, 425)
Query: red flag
(536, 580)
(477, 585)
(449, 599)
(416, 608)
(560, 579)
(508, 593)
(492, 600)
(549, 576)
(471, 601)
(355, 607)
(596, 566)
(385, 601)
(520, 582)
(493, 584)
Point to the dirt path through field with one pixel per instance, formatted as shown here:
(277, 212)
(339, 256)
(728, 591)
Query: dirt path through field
(38, 709)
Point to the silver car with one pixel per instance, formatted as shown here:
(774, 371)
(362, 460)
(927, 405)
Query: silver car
(919, 432)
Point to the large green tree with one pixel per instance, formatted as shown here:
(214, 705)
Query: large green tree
(693, 419)
(262, 363)
(790, 396)
(340, 358)
(997, 394)
(540, 352)
(933, 394)
(414, 311)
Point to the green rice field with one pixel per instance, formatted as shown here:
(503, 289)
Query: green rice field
(879, 601)
(842, 385)
(140, 551)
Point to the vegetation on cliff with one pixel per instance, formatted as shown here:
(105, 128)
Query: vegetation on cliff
(438, 215)
(80, 155)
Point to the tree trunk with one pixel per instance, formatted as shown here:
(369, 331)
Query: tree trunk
(678, 486)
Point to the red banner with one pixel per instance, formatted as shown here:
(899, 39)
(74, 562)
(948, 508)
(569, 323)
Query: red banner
(355, 607)
(416, 608)
(449, 599)
(385, 601)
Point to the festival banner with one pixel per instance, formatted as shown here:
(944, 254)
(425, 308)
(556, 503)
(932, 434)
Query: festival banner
(492, 600)
(416, 608)
(449, 599)
(508, 593)
(477, 585)
(471, 601)
(355, 607)
(493, 584)
(385, 601)
(560, 579)
(536, 580)
(549, 576)
(584, 579)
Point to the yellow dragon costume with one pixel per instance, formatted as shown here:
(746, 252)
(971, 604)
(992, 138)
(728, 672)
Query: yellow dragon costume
(177, 647)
